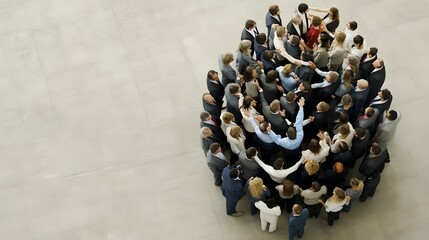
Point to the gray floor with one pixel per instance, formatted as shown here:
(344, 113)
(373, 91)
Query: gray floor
(99, 119)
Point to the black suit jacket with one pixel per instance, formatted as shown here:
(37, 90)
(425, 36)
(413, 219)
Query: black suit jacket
(217, 131)
(308, 96)
(305, 73)
(269, 65)
(365, 68)
(214, 110)
(259, 49)
(292, 31)
(359, 99)
(291, 109)
(278, 123)
(216, 90)
(360, 146)
(372, 164)
(320, 123)
(293, 50)
(269, 20)
(324, 94)
(246, 35)
(376, 81)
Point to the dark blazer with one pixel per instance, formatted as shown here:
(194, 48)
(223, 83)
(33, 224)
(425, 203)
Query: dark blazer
(360, 146)
(243, 61)
(308, 96)
(214, 110)
(206, 142)
(320, 123)
(229, 75)
(372, 164)
(216, 165)
(291, 109)
(232, 189)
(346, 158)
(359, 99)
(324, 94)
(297, 223)
(217, 91)
(269, 65)
(232, 105)
(250, 167)
(332, 26)
(269, 20)
(271, 92)
(365, 68)
(382, 108)
(278, 123)
(376, 81)
(217, 131)
(370, 186)
(259, 49)
(246, 35)
(293, 50)
(305, 73)
(292, 31)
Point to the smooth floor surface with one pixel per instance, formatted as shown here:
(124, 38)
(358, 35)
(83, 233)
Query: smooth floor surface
(99, 123)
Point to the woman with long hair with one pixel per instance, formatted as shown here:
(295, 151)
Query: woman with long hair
(317, 150)
(257, 192)
(337, 52)
(287, 193)
(346, 83)
(244, 57)
(354, 192)
(334, 204)
(321, 56)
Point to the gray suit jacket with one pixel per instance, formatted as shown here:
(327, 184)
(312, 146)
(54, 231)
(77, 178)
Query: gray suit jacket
(386, 130)
(215, 164)
(232, 104)
(278, 123)
(243, 61)
(271, 92)
(368, 123)
(250, 167)
(291, 109)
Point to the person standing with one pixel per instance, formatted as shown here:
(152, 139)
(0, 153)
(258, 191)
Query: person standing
(232, 189)
(269, 213)
(297, 220)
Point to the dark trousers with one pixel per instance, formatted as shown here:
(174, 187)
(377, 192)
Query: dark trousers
(370, 186)
(332, 216)
(295, 231)
(314, 210)
(230, 206)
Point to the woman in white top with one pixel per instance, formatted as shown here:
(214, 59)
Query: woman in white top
(270, 213)
(228, 120)
(317, 150)
(346, 134)
(287, 194)
(236, 139)
(359, 47)
(311, 198)
(337, 52)
(252, 85)
(334, 204)
(248, 111)
(279, 45)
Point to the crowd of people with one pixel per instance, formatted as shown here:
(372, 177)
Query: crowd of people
(307, 119)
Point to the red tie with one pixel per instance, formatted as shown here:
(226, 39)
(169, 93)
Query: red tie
(215, 121)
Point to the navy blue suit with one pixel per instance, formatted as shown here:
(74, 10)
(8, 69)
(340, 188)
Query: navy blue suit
(297, 223)
(232, 189)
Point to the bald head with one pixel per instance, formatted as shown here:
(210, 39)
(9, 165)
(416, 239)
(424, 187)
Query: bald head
(362, 84)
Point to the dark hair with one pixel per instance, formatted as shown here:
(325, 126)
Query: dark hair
(290, 96)
(267, 55)
(249, 24)
(370, 112)
(302, 7)
(343, 146)
(233, 88)
(344, 117)
(393, 115)
(278, 164)
(233, 173)
(314, 146)
(316, 21)
(251, 152)
(261, 38)
(358, 39)
(204, 115)
(386, 94)
(271, 76)
(291, 133)
(273, 9)
(315, 186)
(247, 101)
(248, 74)
(353, 25)
(214, 147)
(376, 149)
(288, 188)
(294, 40)
(271, 202)
(335, 14)
(373, 51)
(306, 85)
(307, 56)
(360, 132)
(210, 74)
(325, 41)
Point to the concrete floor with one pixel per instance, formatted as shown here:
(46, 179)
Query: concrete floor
(99, 128)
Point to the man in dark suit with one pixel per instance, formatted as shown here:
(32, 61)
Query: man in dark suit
(210, 105)
(370, 186)
(232, 189)
(274, 115)
(215, 87)
(365, 66)
(382, 102)
(216, 161)
(304, 90)
(208, 121)
(249, 32)
(273, 17)
(292, 46)
(376, 79)
(305, 23)
(360, 142)
(272, 91)
(359, 95)
(269, 61)
(232, 96)
(290, 106)
(373, 162)
(296, 221)
(250, 168)
(305, 73)
(207, 138)
(324, 90)
(260, 45)
(294, 27)
(320, 121)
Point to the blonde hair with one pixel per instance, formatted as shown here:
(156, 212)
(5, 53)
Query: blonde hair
(356, 184)
(339, 195)
(281, 31)
(227, 117)
(235, 132)
(244, 47)
(275, 106)
(353, 63)
(287, 69)
(227, 58)
(256, 187)
(340, 37)
(311, 167)
(344, 130)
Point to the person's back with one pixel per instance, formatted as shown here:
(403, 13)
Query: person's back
(296, 221)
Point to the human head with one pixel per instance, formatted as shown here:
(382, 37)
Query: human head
(314, 146)
(332, 77)
(378, 63)
(251, 152)
(322, 107)
(362, 84)
(360, 132)
(256, 187)
(324, 40)
(227, 58)
(278, 164)
(297, 209)
(392, 115)
(275, 106)
(244, 46)
(339, 195)
(271, 76)
(358, 41)
(340, 37)
(212, 75)
(235, 132)
(302, 8)
(250, 24)
(261, 38)
(375, 149)
(234, 88)
(263, 126)
(346, 100)
(267, 55)
(315, 186)
(227, 117)
(296, 19)
(274, 10)
(307, 56)
(311, 167)
(215, 148)
(290, 96)
(291, 133)
(385, 94)
(304, 86)
(344, 130)
(281, 31)
(352, 25)
(338, 167)
(343, 117)
(205, 116)
(372, 51)
(287, 69)
(288, 188)
(233, 173)
(271, 202)
(343, 146)
(369, 112)
(249, 74)
(353, 62)
(334, 14)
(348, 77)
(316, 21)
(206, 132)
(248, 102)
(356, 184)
(294, 39)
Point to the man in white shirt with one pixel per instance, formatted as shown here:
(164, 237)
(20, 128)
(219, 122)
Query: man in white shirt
(351, 31)
(277, 173)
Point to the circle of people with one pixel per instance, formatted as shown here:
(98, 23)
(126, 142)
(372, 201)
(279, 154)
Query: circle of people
(306, 105)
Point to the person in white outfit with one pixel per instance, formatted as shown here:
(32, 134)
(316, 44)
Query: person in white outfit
(317, 150)
(269, 213)
(236, 139)
(277, 173)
